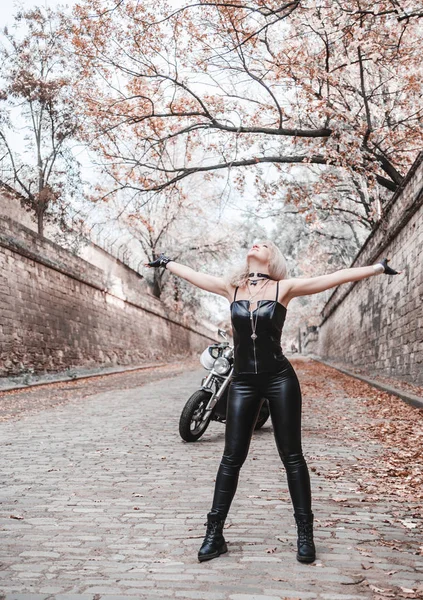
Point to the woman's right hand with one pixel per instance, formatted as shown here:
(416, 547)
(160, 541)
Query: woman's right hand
(160, 261)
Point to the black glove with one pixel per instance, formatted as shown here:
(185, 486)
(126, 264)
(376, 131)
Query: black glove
(388, 270)
(161, 261)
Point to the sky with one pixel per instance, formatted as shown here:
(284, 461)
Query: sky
(10, 7)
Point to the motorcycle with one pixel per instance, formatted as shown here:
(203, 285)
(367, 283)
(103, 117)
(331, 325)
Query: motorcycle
(210, 401)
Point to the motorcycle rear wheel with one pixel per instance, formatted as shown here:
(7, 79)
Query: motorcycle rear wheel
(263, 415)
(192, 414)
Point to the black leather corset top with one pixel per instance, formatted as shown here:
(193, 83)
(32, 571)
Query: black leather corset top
(264, 353)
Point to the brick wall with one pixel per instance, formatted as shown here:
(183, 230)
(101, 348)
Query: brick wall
(59, 311)
(377, 323)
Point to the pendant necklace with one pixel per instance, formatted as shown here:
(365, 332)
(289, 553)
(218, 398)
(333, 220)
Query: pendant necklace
(257, 292)
(254, 323)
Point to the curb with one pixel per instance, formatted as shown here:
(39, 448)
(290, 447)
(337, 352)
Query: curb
(66, 378)
(412, 399)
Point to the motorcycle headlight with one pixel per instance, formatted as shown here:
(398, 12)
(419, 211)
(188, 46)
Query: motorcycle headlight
(221, 365)
(207, 360)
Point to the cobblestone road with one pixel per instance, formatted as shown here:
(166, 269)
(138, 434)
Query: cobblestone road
(101, 498)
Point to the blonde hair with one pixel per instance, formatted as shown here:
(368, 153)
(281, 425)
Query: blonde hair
(278, 269)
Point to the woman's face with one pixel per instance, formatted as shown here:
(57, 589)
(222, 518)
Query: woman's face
(260, 252)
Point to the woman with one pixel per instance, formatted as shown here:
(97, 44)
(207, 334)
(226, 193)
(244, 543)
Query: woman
(259, 293)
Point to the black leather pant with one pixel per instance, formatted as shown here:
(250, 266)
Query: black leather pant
(282, 389)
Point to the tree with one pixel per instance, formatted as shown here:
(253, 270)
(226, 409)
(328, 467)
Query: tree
(333, 87)
(38, 118)
(170, 222)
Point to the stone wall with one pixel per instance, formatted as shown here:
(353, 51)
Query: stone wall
(377, 323)
(11, 206)
(59, 311)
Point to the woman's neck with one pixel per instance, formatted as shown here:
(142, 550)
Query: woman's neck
(257, 266)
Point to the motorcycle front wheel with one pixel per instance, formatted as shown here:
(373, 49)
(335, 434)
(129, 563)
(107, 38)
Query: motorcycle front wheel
(191, 424)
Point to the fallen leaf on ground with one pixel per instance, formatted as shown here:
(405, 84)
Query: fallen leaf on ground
(408, 524)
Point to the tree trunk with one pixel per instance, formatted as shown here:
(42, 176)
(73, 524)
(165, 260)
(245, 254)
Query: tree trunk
(40, 221)
(157, 284)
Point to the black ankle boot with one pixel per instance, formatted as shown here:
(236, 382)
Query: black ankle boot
(214, 543)
(305, 544)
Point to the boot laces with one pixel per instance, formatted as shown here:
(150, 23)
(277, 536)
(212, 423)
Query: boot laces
(305, 533)
(212, 528)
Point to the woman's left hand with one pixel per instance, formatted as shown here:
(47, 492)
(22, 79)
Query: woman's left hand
(388, 270)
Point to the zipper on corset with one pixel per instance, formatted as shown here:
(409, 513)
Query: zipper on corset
(254, 342)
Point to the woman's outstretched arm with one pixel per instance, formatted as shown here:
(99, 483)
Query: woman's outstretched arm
(300, 286)
(210, 283)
